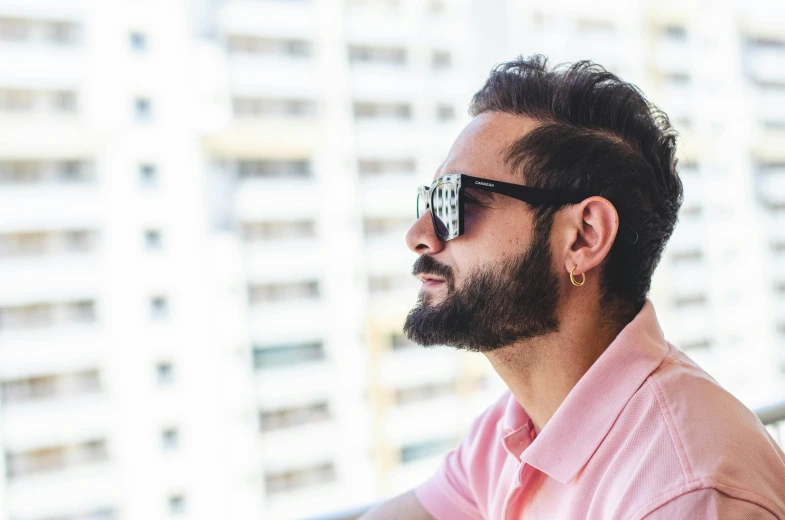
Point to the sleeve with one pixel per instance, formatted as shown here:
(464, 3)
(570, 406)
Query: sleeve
(710, 504)
(449, 493)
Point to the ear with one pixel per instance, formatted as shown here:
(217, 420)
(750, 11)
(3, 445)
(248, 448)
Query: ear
(587, 233)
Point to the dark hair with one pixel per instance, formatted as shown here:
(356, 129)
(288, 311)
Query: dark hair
(600, 135)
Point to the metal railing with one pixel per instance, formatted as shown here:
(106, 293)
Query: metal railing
(772, 416)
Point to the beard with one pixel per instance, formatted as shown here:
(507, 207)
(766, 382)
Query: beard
(496, 306)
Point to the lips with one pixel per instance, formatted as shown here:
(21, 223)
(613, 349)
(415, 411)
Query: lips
(427, 278)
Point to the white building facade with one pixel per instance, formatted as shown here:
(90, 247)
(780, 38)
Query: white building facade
(202, 216)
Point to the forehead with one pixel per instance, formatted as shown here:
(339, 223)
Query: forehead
(480, 147)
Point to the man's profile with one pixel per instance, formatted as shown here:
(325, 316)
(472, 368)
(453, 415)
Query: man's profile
(536, 244)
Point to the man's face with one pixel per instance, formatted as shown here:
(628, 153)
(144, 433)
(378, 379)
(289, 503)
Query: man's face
(499, 285)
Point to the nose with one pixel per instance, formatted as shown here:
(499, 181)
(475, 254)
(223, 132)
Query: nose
(421, 237)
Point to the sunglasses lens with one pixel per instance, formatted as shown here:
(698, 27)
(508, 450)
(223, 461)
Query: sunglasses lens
(422, 200)
(444, 208)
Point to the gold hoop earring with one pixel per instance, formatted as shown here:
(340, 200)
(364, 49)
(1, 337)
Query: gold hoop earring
(572, 279)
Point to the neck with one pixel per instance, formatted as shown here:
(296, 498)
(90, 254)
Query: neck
(540, 372)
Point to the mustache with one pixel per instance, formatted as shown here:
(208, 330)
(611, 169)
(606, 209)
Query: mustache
(427, 265)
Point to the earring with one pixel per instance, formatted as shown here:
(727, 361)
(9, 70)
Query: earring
(572, 279)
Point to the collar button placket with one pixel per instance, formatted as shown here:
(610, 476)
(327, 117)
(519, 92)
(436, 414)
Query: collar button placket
(507, 514)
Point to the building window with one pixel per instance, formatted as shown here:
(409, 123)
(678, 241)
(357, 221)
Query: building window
(300, 478)
(153, 240)
(282, 47)
(422, 450)
(159, 307)
(274, 169)
(170, 439)
(375, 227)
(143, 110)
(245, 107)
(148, 175)
(291, 230)
(399, 341)
(391, 282)
(137, 41)
(29, 389)
(32, 316)
(368, 111)
(14, 29)
(176, 504)
(80, 241)
(283, 292)
(44, 315)
(294, 416)
(16, 100)
(677, 79)
(589, 26)
(80, 311)
(359, 54)
(415, 394)
(56, 458)
(676, 33)
(680, 257)
(695, 300)
(164, 373)
(373, 167)
(697, 344)
(64, 101)
(14, 245)
(437, 7)
(445, 112)
(20, 172)
(278, 356)
(62, 33)
(72, 171)
(441, 60)
(763, 42)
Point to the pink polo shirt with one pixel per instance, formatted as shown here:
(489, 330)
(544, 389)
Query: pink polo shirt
(645, 433)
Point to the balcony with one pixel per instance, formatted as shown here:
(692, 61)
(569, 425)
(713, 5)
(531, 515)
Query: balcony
(766, 65)
(306, 381)
(64, 349)
(268, 199)
(413, 422)
(93, 486)
(273, 18)
(771, 187)
(28, 425)
(49, 278)
(418, 365)
(273, 260)
(273, 74)
(299, 445)
(671, 55)
(50, 207)
(274, 137)
(771, 106)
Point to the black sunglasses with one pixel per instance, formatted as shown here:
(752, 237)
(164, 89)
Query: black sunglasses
(445, 199)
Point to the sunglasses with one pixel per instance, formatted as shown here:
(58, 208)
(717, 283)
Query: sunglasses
(445, 198)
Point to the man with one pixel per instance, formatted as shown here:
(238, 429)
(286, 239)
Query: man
(537, 242)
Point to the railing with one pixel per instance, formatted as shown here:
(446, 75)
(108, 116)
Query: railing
(772, 416)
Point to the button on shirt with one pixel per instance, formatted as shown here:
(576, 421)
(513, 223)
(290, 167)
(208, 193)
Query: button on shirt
(644, 434)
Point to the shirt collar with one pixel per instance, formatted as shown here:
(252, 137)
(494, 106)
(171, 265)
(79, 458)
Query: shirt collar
(593, 404)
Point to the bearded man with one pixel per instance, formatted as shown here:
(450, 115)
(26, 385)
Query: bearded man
(537, 241)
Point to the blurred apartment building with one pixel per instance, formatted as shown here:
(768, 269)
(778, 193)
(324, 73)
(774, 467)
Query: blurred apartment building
(202, 216)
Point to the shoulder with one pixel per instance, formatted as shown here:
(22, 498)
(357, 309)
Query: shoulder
(711, 503)
(724, 453)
